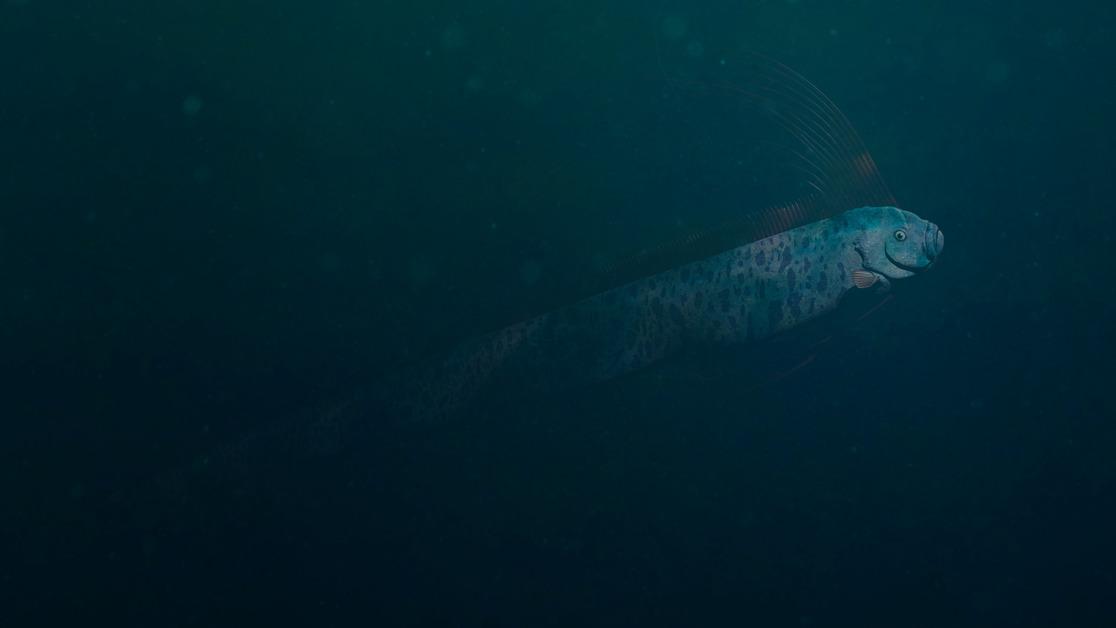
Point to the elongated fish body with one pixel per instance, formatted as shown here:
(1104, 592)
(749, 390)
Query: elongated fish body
(762, 272)
(743, 295)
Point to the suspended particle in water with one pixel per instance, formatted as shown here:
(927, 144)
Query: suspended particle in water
(202, 175)
(674, 27)
(997, 72)
(453, 37)
(1055, 38)
(529, 97)
(421, 271)
(192, 105)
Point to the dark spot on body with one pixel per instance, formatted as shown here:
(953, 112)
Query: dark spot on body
(761, 258)
(794, 293)
(774, 314)
(676, 314)
(794, 301)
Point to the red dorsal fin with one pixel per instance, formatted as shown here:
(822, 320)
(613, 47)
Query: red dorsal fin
(833, 167)
(831, 155)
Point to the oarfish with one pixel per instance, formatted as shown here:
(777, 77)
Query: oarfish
(786, 265)
(743, 295)
(782, 266)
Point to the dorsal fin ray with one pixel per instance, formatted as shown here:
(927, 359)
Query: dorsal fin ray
(834, 168)
(820, 116)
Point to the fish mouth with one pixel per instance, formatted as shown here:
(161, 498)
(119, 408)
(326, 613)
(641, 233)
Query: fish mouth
(907, 267)
(933, 243)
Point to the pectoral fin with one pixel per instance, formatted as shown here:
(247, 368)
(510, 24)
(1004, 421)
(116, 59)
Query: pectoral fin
(864, 279)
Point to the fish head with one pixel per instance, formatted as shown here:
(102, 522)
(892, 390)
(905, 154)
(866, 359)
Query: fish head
(894, 243)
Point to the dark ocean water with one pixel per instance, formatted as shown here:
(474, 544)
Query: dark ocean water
(219, 217)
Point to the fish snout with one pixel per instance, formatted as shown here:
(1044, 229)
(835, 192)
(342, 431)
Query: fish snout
(934, 242)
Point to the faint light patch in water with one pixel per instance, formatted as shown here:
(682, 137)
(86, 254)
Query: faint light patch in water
(453, 37)
(695, 49)
(530, 272)
(192, 105)
(529, 97)
(1055, 38)
(997, 72)
(674, 27)
(474, 84)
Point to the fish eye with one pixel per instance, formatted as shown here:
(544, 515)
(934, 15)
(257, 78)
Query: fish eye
(900, 235)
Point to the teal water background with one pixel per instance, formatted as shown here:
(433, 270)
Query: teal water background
(217, 216)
